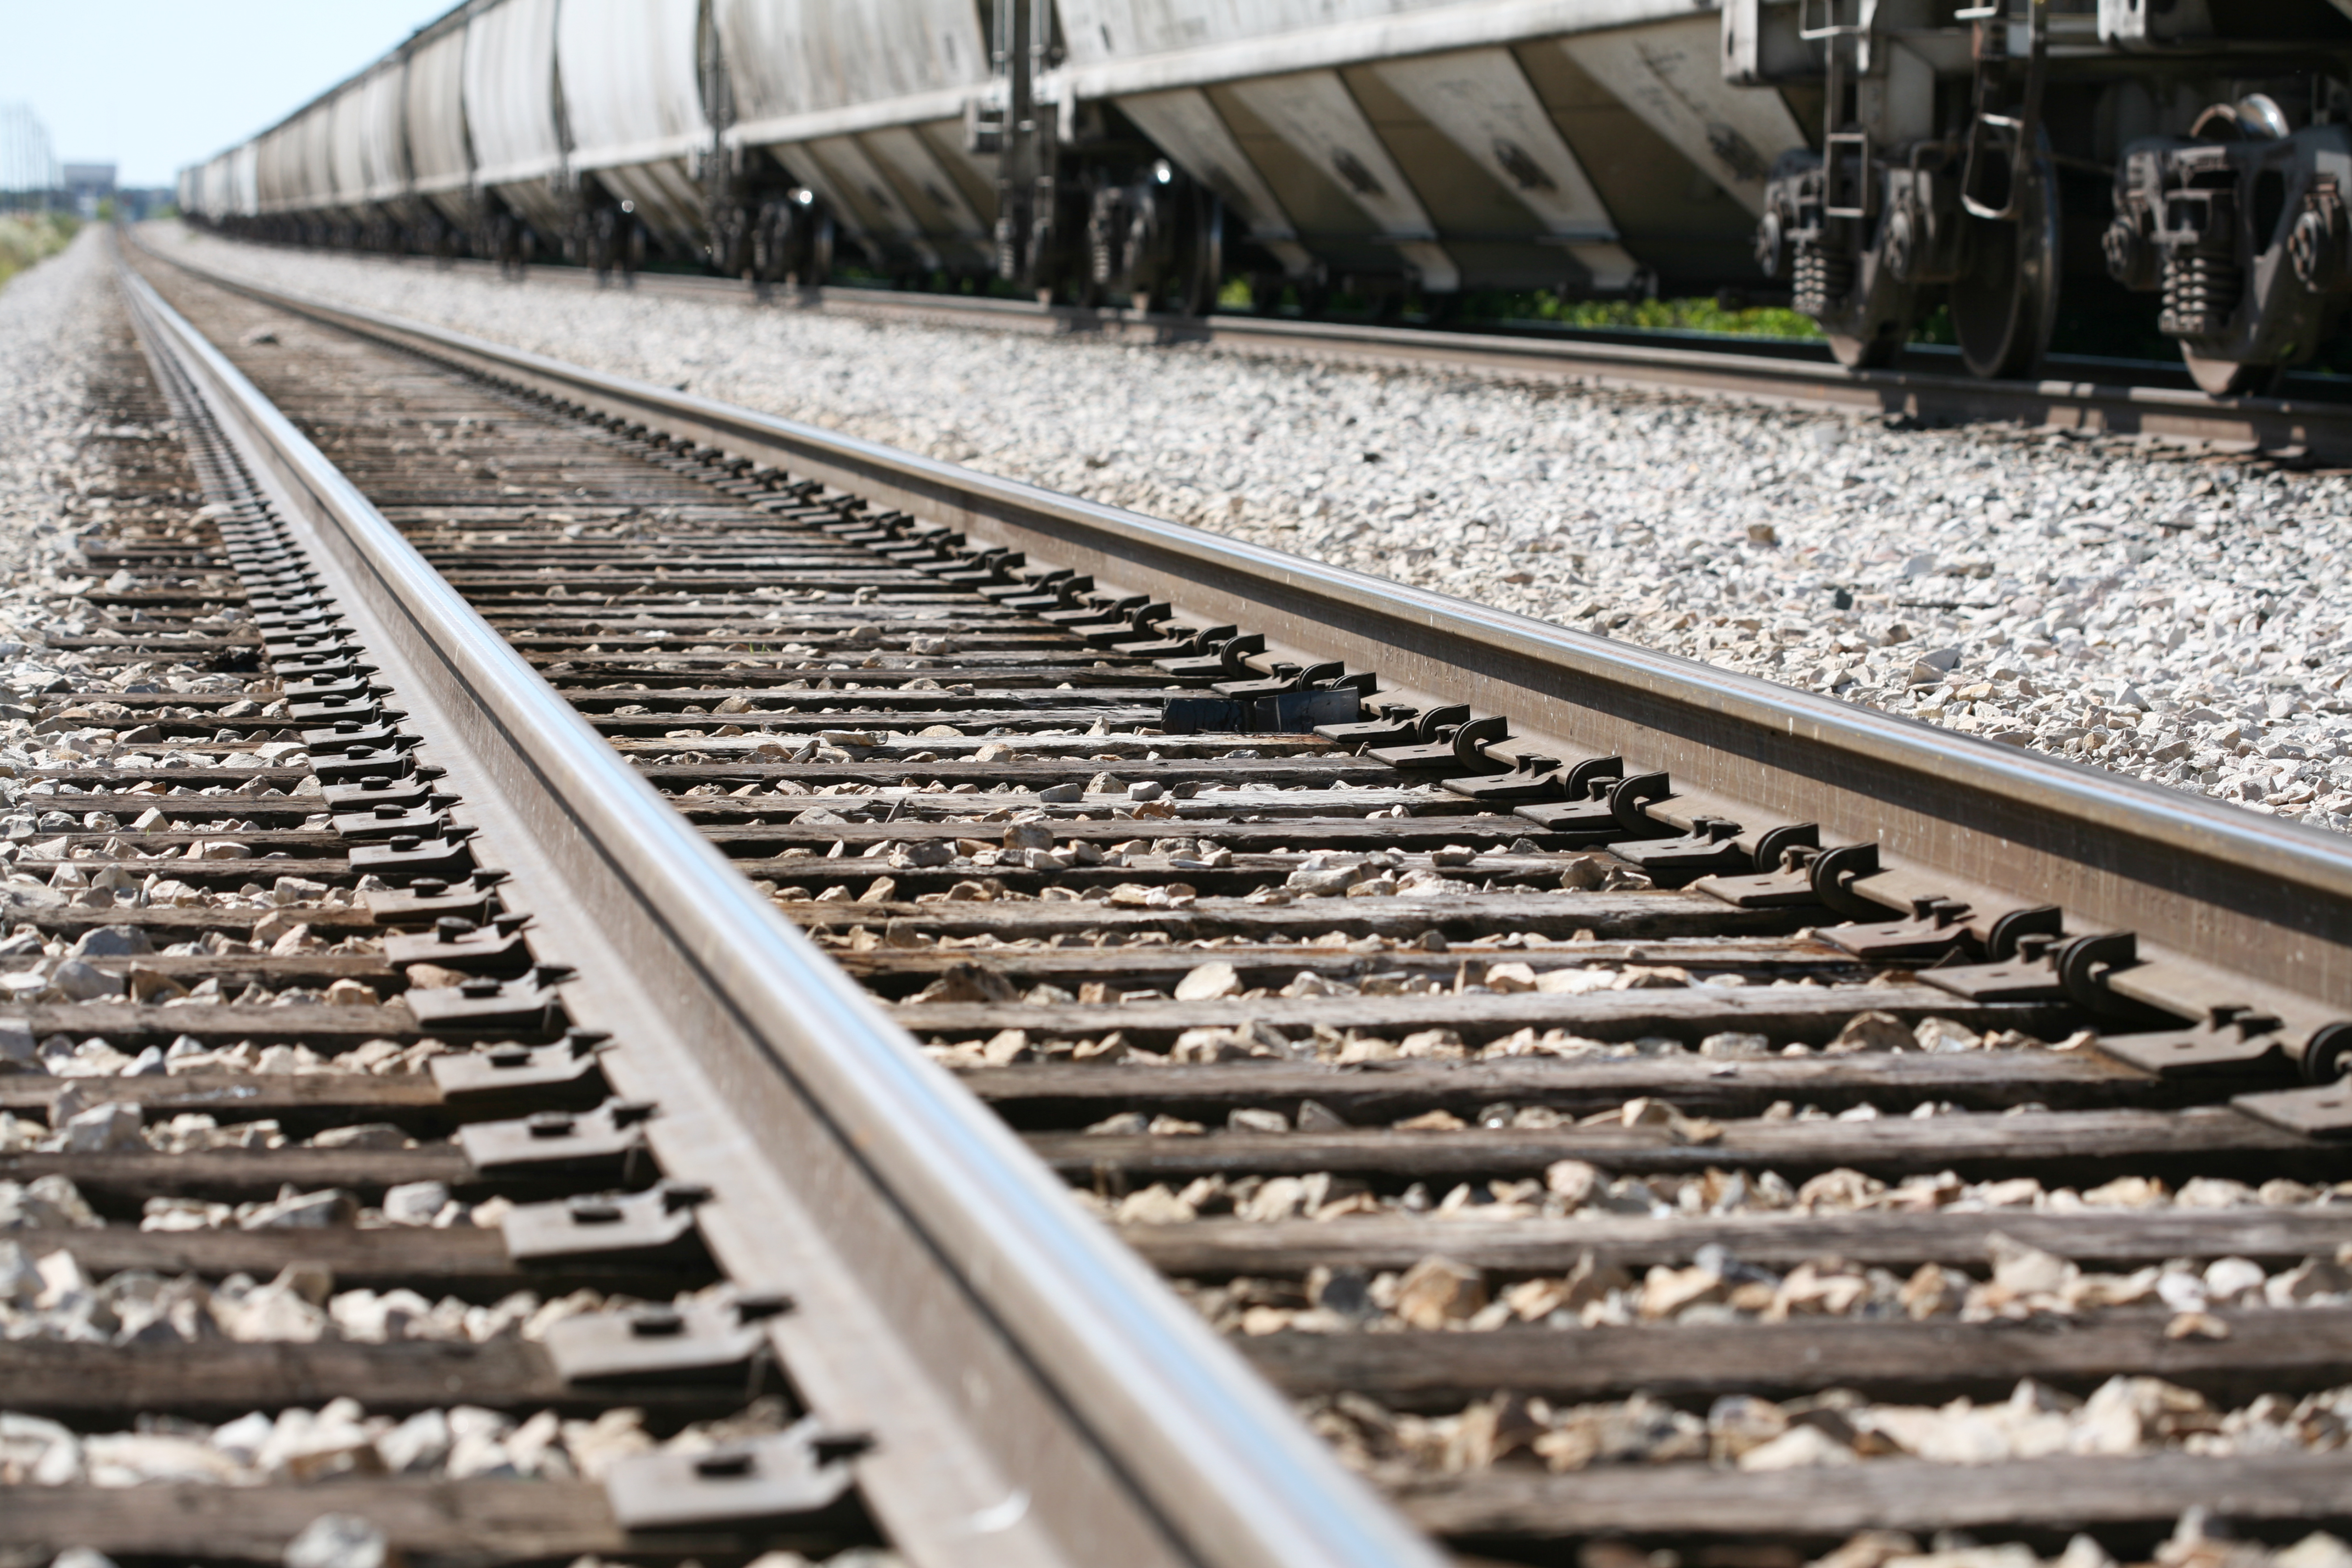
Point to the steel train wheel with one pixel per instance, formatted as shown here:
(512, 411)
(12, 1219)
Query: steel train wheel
(2006, 301)
(1204, 263)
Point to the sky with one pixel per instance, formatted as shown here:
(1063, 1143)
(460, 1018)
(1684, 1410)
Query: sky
(151, 85)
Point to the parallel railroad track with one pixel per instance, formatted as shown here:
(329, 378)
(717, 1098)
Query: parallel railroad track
(1613, 1107)
(2310, 422)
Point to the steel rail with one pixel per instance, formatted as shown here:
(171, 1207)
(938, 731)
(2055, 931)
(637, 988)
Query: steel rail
(1037, 1396)
(2302, 427)
(2268, 903)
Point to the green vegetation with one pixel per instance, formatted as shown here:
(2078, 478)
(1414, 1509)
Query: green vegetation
(26, 237)
(1489, 305)
(1674, 315)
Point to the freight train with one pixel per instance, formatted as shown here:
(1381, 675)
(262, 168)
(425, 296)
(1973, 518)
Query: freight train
(2183, 164)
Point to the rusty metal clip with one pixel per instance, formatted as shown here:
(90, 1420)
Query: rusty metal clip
(350, 684)
(1711, 846)
(1936, 928)
(527, 1003)
(1448, 742)
(385, 761)
(1531, 778)
(511, 1068)
(791, 1474)
(286, 621)
(378, 790)
(388, 820)
(428, 899)
(1219, 651)
(412, 855)
(351, 735)
(659, 1220)
(1397, 721)
(2029, 974)
(1789, 885)
(457, 942)
(699, 1340)
(608, 1135)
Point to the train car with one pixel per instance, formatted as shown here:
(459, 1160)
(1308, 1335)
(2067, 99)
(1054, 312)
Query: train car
(854, 117)
(202, 187)
(1389, 143)
(514, 123)
(639, 139)
(441, 204)
(242, 183)
(372, 183)
(277, 189)
(348, 208)
(2161, 169)
(325, 219)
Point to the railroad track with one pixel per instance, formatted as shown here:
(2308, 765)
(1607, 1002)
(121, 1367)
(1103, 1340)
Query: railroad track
(2308, 424)
(1616, 1103)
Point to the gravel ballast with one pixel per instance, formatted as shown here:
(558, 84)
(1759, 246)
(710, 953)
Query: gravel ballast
(2153, 610)
(51, 318)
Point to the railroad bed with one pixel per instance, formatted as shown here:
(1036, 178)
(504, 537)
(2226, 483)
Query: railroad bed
(1593, 1171)
(2081, 394)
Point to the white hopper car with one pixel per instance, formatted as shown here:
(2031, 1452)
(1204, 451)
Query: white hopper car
(1877, 159)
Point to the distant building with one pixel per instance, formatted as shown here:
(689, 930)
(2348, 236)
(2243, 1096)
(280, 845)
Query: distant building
(86, 185)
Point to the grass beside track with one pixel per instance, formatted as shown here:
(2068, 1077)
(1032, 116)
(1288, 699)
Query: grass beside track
(28, 238)
(1683, 315)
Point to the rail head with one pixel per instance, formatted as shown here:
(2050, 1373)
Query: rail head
(1079, 1411)
(2239, 892)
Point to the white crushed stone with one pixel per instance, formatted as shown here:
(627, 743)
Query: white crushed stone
(50, 319)
(45, 1294)
(2125, 604)
(57, 482)
(341, 1439)
(2124, 1416)
(1573, 1188)
(2018, 1283)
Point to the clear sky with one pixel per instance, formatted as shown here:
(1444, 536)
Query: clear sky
(152, 84)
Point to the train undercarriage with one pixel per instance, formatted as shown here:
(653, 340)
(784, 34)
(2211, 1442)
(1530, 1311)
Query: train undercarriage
(1988, 161)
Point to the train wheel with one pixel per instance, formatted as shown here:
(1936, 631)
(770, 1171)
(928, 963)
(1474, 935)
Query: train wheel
(822, 236)
(599, 246)
(2005, 301)
(1203, 272)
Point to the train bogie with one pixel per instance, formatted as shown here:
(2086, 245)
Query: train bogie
(1989, 160)
(1584, 147)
